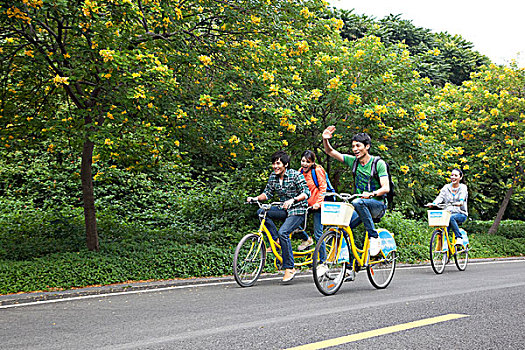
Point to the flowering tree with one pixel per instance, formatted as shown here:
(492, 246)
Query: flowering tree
(485, 120)
(86, 73)
(134, 81)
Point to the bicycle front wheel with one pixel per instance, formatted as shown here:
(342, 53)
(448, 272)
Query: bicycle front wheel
(438, 252)
(328, 265)
(380, 271)
(461, 257)
(249, 259)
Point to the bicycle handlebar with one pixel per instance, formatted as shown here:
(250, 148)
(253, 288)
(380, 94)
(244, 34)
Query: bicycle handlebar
(343, 196)
(273, 204)
(440, 206)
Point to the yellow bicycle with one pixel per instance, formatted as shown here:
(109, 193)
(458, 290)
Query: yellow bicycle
(333, 264)
(442, 247)
(250, 254)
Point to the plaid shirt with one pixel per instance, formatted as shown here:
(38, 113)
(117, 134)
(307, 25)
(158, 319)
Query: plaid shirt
(293, 185)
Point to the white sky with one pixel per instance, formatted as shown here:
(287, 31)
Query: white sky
(495, 28)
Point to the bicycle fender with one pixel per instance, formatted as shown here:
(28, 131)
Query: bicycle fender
(388, 244)
(464, 236)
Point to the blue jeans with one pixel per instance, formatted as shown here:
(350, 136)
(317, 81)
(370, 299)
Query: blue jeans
(455, 220)
(365, 210)
(318, 231)
(290, 223)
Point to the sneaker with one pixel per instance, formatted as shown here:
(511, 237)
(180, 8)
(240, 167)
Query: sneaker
(349, 276)
(459, 240)
(289, 274)
(375, 246)
(306, 244)
(322, 270)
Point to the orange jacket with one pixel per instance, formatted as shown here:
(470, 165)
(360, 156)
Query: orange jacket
(315, 193)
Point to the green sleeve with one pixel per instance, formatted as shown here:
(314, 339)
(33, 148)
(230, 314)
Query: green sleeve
(349, 160)
(381, 168)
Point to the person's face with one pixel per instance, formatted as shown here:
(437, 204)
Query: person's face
(306, 164)
(359, 149)
(279, 168)
(455, 176)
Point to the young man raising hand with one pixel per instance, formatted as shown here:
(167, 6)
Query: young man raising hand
(372, 203)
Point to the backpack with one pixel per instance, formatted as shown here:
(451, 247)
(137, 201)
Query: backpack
(329, 187)
(390, 195)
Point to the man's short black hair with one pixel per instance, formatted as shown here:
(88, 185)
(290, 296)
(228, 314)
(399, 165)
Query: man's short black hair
(362, 137)
(283, 156)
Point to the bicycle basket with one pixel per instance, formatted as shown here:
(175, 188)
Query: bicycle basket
(438, 217)
(336, 213)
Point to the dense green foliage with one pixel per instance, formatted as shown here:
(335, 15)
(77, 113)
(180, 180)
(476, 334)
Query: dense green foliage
(442, 57)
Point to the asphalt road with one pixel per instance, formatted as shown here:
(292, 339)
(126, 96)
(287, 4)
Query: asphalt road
(480, 308)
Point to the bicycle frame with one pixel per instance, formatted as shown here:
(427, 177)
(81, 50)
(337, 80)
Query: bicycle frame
(450, 245)
(307, 254)
(360, 255)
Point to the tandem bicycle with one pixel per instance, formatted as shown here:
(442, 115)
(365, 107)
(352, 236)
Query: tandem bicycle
(442, 247)
(332, 264)
(250, 254)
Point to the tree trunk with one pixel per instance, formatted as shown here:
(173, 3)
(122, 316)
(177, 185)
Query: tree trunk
(88, 196)
(494, 228)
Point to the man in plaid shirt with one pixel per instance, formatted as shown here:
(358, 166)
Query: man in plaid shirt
(290, 186)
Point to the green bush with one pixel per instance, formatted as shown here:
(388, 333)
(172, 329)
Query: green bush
(507, 228)
(113, 264)
(411, 236)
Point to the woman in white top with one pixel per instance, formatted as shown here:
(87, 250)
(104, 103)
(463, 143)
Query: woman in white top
(455, 195)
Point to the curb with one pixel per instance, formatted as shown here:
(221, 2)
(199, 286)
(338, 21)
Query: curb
(31, 297)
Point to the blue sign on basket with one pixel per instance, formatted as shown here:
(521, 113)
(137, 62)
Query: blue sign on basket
(332, 207)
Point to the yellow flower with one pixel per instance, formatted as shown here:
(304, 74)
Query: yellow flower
(354, 99)
(315, 94)
(60, 80)
(107, 54)
(404, 169)
(205, 60)
(359, 53)
(268, 77)
(383, 147)
(334, 83)
(234, 139)
(285, 143)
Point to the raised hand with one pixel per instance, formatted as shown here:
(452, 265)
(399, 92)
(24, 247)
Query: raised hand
(328, 132)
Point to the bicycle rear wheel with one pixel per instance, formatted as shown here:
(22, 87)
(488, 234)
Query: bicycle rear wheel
(249, 259)
(380, 270)
(461, 257)
(438, 256)
(329, 274)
